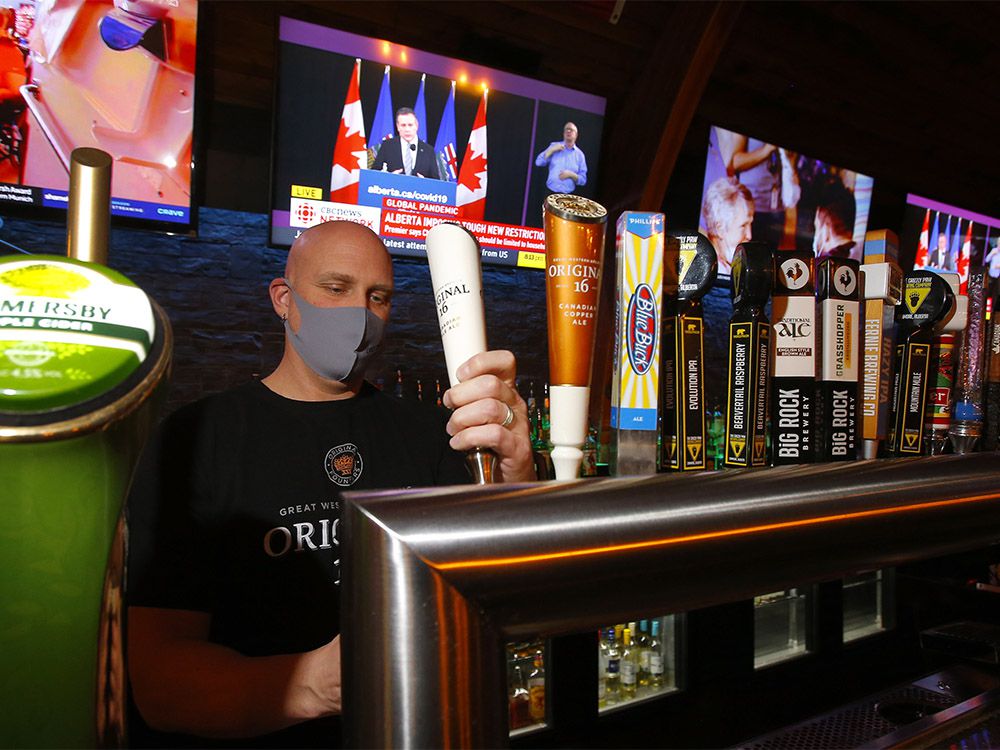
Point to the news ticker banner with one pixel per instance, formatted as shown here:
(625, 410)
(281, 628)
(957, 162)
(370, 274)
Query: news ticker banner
(402, 210)
(27, 195)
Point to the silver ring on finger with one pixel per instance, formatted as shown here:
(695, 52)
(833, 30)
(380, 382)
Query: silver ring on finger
(507, 420)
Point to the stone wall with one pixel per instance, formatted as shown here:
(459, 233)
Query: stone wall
(214, 288)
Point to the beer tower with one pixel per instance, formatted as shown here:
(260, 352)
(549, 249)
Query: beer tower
(793, 390)
(991, 389)
(927, 298)
(689, 269)
(883, 286)
(84, 355)
(636, 360)
(938, 417)
(967, 419)
(838, 293)
(749, 357)
(574, 250)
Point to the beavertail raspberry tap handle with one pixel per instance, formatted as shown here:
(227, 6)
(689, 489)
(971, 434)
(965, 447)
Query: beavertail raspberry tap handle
(749, 357)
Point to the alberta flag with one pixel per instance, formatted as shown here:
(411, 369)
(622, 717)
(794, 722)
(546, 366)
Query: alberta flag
(444, 147)
(349, 152)
(470, 195)
(382, 126)
(420, 111)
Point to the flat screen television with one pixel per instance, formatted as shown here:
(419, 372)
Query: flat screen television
(947, 238)
(757, 190)
(117, 76)
(481, 132)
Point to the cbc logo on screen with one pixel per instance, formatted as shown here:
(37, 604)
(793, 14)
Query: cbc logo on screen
(305, 213)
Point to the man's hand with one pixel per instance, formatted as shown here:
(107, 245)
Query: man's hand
(554, 148)
(319, 682)
(480, 402)
(568, 175)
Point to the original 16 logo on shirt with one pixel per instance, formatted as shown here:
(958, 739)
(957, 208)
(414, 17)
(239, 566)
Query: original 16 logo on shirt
(343, 464)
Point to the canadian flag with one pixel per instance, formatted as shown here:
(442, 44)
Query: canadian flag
(923, 244)
(962, 262)
(349, 153)
(470, 195)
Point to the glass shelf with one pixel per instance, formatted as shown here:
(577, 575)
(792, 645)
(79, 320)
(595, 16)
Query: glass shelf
(779, 626)
(864, 605)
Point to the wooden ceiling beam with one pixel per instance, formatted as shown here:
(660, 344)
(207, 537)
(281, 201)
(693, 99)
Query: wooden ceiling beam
(714, 35)
(646, 134)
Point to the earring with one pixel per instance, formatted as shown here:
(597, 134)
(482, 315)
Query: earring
(284, 317)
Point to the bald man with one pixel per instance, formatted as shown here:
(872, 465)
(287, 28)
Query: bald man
(234, 512)
(565, 161)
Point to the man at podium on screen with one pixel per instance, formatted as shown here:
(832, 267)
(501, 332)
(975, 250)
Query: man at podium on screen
(407, 154)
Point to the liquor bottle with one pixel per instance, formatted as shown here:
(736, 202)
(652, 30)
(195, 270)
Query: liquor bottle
(519, 702)
(602, 668)
(642, 653)
(536, 690)
(716, 436)
(530, 400)
(629, 667)
(545, 418)
(420, 390)
(532, 404)
(541, 440)
(589, 468)
(655, 658)
(398, 390)
(437, 392)
(612, 669)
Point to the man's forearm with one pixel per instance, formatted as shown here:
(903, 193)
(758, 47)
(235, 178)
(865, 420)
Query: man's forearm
(190, 685)
(744, 160)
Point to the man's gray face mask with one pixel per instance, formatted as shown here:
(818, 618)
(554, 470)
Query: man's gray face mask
(337, 343)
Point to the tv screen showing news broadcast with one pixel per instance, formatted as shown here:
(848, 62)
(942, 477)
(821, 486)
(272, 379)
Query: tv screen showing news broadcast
(757, 190)
(947, 238)
(119, 77)
(400, 139)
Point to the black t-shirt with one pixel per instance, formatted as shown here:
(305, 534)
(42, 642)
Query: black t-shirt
(235, 508)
